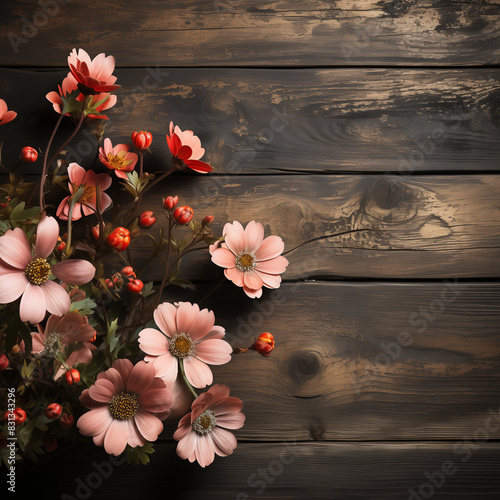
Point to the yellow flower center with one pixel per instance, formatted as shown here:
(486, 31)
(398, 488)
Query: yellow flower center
(123, 406)
(181, 345)
(245, 261)
(88, 194)
(119, 161)
(37, 271)
(205, 422)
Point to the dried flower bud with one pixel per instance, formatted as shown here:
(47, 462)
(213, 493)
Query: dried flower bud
(170, 202)
(183, 215)
(53, 410)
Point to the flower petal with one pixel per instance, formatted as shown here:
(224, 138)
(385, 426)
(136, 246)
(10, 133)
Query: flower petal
(141, 377)
(33, 306)
(186, 446)
(234, 275)
(253, 294)
(166, 368)
(252, 280)
(205, 450)
(197, 372)
(113, 376)
(12, 286)
(186, 314)
(224, 258)
(15, 249)
(277, 265)
(94, 421)
(156, 400)
(214, 351)
(234, 236)
(271, 247)
(47, 233)
(75, 271)
(202, 324)
(102, 391)
(153, 342)
(254, 236)
(56, 298)
(116, 437)
(270, 280)
(231, 420)
(149, 426)
(224, 440)
(164, 317)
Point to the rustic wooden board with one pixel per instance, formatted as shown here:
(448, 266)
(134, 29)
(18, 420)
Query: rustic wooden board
(341, 369)
(281, 121)
(247, 32)
(340, 471)
(418, 226)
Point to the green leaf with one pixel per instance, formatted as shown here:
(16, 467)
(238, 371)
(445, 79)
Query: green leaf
(139, 454)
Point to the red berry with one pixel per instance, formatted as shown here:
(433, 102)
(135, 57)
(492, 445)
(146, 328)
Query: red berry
(207, 220)
(142, 140)
(146, 220)
(128, 271)
(264, 344)
(18, 416)
(170, 202)
(4, 362)
(66, 420)
(53, 410)
(119, 239)
(28, 155)
(135, 286)
(72, 376)
(183, 215)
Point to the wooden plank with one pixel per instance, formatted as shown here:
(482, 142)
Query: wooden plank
(280, 121)
(416, 227)
(375, 471)
(344, 369)
(246, 32)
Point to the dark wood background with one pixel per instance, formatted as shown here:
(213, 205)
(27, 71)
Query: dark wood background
(319, 118)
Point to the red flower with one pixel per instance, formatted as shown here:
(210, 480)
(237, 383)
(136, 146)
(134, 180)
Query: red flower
(117, 158)
(119, 239)
(183, 215)
(142, 140)
(170, 202)
(146, 220)
(53, 410)
(186, 149)
(28, 155)
(6, 116)
(93, 75)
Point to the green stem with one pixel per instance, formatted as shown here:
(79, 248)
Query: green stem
(74, 198)
(183, 373)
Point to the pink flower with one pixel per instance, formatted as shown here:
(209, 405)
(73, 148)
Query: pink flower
(87, 203)
(60, 333)
(5, 116)
(27, 276)
(250, 261)
(125, 404)
(93, 75)
(186, 149)
(117, 158)
(202, 432)
(188, 334)
(69, 85)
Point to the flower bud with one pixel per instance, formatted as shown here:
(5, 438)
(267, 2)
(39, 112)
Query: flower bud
(146, 220)
(66, 420)
(135, 286)
(4, 362)
(170, 202)
(183, 215)
(28, 155)
(95, 231)
(264, 344)
(142, 140)
(53, 410)
(72, 376)
(207, 220)
(128, 271)
(18, 416)
(119, 239)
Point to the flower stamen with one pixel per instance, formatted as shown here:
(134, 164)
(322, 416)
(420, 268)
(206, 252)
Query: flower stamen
(205, 422)
(38, 271)
(123, 406)
(245, 261)
(181, 345)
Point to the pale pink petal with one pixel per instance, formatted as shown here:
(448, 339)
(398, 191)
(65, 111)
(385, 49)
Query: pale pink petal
(217, 332)
(252, 280)
(186, 446)
(124, 367)
(164, 317)
(253, 294)
(149, 426)
(141, 377)
(75, 271)
(227, 405)
(276, 265)
(113, 376)
(134, 436)
(153, 342)
(184, 427)
(224, 440)
(76, 174)
(156, 400)
(271, 247)
(37, 343)
(231, 420)
(234, 236)
(116, 437)
(33, 306)
(88, 402)
(270, 280)
(224, 258)
(202, 325)
(12, 286)
(47, 233)
(217, 392)
(205, 450)
(186, 314)
(102, 391)
(166, 367)
(214, 351)
(234, 275)
(15, 249)
(198, 373)
(94, 421)
(254, 236)
(56, 298)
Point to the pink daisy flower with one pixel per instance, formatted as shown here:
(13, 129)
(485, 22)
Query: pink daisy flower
(186, 150)
(62, 332)
(126, 405)
(250, 261)
(87, 203)
(187, 334)
(68, 86)
(93, 76)
(22, 274)
(5, 116)
(117, 158)
(202, 433)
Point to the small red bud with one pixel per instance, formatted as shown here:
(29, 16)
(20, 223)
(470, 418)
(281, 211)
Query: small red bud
(109, 283)
(72, 376)
(66, 420)
(207, 220)
(28, 155)
(4, 362)
(183, 215)
(128, 271)
(18, 416)
(135, 286)
(142, 140)
(95, 232)
(264, 344)
(53, 410)
(119, 239)
(146, 220)
(170, 202)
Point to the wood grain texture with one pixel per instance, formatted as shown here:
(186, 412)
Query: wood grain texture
(279, 471)
(343, 368)
(413, 227)
(246, 32)
(281, 121)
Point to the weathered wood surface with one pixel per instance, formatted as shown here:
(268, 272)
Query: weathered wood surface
(416, 227)
(344, 369)
(269, 121)
(286, 470)
(247, 32)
